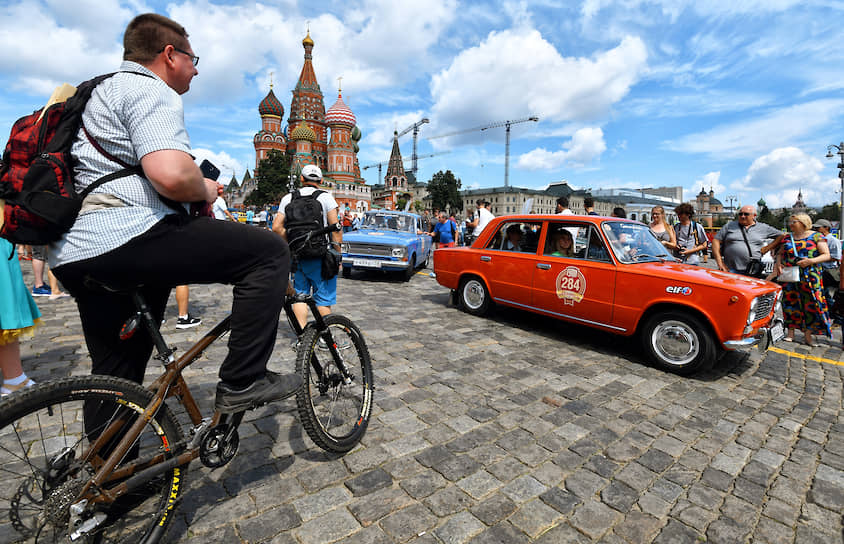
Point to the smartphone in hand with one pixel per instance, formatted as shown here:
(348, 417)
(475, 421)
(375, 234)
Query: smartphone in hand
(209, 170)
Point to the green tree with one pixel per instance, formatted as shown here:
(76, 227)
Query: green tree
(272, 177)
(444, 189)
(401, 203)
(418, 206)
(765, 216)
(831, 212)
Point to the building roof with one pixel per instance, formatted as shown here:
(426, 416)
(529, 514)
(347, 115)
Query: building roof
(303, 132)
(271, 106)
(396, 165)
(340, 114)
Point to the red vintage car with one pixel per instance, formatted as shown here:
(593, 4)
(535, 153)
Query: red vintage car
(612, 274)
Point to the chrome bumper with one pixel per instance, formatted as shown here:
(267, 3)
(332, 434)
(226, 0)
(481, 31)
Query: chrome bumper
(385, 265)
(764, 338)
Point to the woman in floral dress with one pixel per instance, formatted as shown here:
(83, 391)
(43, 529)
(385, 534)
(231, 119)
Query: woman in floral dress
(804, 304)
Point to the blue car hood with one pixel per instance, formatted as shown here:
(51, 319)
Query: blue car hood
(379, 236)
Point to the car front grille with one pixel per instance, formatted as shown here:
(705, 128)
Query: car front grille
(370, 249)
(764, 306)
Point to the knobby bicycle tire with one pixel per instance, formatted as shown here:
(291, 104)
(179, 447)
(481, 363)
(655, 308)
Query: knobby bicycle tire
(335, 414)
(44, 433)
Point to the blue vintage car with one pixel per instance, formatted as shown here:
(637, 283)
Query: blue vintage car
(387, 240)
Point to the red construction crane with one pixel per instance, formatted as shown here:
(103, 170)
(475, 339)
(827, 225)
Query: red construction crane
(507, 139)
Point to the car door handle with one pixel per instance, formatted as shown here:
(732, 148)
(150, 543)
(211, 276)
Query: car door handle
(543, 266)
(486, 258)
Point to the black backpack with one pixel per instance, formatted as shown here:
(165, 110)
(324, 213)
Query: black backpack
(304, 215)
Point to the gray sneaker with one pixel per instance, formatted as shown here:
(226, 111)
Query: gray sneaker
(270, 388)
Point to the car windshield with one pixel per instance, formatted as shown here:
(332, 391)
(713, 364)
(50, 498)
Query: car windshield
(634, 242)
(387, 221)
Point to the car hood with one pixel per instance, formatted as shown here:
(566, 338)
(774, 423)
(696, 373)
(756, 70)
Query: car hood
(378, 236)
(686, 273)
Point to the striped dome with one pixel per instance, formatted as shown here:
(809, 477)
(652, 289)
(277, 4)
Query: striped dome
(271, 106)
(303, 132)
(340, 114)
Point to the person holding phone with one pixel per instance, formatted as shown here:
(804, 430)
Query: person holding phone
(137, 230)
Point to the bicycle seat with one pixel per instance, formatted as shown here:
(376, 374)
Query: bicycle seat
(111, 286)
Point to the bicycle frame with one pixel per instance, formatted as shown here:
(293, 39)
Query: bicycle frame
(169, 384)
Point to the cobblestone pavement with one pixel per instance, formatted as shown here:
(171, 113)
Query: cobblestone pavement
(514, 428)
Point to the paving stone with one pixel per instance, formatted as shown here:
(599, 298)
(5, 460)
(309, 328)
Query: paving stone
(479, 484)
(620, 496)
(562, 533)
(717, 479)
(653, 504)
(638, 527)
(675, 533)
(369, 535)
(656, 460)
(524, 488)
(584, 483)
(315, 504)
(322, 475)
(693, 515)
(534, 518)
(409, 522)
(724, 530)
(563, 501)
(827, 494)
(457, 467)
(503, 533)
(448, 501)
(329, 527)
(378, 505)
(459, 528)
(601, 466)
(594, 519)
(269, 523)
(369, 482)
(494, 508)
(782, 511)
(636, 476)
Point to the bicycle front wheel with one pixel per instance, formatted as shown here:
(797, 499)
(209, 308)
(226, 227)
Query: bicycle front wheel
(48, 455)
(334, 407)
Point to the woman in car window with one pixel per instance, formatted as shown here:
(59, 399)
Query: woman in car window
(562, 244)
(661, 229)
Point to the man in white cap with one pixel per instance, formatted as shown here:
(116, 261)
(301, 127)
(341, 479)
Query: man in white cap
(309, 277)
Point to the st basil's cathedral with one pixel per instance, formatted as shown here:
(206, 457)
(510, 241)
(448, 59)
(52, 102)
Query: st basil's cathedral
(306, 136)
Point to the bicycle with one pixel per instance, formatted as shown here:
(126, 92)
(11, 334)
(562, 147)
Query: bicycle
(103, 459)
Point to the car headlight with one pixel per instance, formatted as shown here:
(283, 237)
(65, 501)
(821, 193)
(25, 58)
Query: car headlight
(751, 315)
(399, 252)
(344, 247)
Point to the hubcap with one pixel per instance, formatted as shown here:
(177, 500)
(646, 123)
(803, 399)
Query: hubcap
(473, 294)
(675, 342)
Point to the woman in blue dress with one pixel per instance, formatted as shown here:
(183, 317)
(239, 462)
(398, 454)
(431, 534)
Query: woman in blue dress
(18, 318)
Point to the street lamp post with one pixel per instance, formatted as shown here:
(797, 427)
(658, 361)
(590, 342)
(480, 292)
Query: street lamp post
(839, 150)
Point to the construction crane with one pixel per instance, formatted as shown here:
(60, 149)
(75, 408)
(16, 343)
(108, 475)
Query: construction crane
(415, 128)
(380, 164)
(507, 139)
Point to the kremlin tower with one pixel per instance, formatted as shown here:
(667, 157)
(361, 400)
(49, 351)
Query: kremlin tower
(395, 182)
(305, 138)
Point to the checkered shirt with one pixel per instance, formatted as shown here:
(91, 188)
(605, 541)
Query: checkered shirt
(129, 116)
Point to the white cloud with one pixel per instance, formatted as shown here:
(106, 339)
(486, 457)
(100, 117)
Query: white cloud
(780, 174)
(586, 145)
(748, 139)
(516, 73)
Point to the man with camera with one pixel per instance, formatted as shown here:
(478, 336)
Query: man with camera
(739, 245)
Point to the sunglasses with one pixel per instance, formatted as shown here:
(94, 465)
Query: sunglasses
(744, 214)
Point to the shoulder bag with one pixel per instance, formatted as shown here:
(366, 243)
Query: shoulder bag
(790, 273)
(755, 268)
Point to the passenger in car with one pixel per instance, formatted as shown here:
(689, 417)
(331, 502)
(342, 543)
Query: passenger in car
(514, 238)
(562, 244)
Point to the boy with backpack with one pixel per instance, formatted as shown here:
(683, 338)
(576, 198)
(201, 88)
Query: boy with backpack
(300, 212)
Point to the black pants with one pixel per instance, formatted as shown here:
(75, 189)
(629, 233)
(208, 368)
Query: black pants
(181, 250)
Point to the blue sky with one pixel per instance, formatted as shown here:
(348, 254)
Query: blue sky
(742, 96)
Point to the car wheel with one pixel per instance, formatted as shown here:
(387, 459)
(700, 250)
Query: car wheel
(679, 342)
(474, 296)
(427, 261)
(347, 272)
(411, 268)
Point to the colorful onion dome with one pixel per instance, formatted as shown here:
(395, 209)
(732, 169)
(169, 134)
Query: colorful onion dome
(303, 132)
(340, 114)
(271, 106)
(285, 130)
(356, 134)
(357, 147)
(308, 40)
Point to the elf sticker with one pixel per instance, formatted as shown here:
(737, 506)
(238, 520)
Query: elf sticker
(571, 285)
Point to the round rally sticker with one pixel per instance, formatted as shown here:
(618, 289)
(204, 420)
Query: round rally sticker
(571, 285)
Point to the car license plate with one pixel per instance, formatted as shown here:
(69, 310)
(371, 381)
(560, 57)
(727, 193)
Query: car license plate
(367, 263)
(777, 332)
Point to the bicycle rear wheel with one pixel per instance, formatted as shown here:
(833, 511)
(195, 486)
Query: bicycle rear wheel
(46, 434)
(334, 410)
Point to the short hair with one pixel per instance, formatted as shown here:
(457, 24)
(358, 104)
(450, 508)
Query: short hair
(563, 201)
(479, 202)
(148, 34)
(514, 228)
(685, 208)
(803, 218)
(588, 202)
(619, 212)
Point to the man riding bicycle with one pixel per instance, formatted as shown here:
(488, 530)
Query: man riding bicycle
(136, 230)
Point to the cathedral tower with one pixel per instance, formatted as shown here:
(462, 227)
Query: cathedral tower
(341, 152)
(308, 107)
(270, 136)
